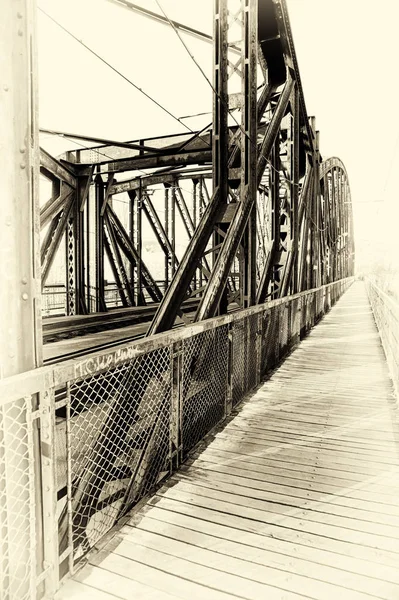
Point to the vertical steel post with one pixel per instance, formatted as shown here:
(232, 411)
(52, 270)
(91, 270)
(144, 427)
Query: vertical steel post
(88, 279)
(249, 136)
(139, 246)
(20, 320)
(132, 234)
(295, 190)
(100, 299)
(168, 258)
(20, 310)
(79, 250)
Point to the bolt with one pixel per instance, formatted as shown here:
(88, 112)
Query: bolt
(25, 296)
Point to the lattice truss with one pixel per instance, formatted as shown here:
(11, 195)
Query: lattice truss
(240, 212)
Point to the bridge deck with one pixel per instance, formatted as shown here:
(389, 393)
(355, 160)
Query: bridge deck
(297, 497)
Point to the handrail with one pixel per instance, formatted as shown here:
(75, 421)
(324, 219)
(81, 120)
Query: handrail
(386, 315)
(37, 380)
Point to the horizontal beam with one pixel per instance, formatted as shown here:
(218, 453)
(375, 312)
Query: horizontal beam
(77, 136)
(166, 160)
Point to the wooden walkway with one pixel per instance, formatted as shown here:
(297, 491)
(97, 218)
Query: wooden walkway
(297, 497)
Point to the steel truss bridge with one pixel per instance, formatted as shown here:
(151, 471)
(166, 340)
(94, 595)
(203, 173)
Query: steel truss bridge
(270, 251)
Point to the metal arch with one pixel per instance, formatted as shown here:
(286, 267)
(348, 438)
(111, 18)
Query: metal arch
(339, 238)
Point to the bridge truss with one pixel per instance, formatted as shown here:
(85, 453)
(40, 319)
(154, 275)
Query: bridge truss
(263, 214)
(269, 230)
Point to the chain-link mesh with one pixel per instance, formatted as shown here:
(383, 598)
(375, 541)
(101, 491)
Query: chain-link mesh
(17, 502)
(239, 360)
(284, 325)
(294, 320)
(252, 352)
(270, 339)
(204, 384)
(119, 441)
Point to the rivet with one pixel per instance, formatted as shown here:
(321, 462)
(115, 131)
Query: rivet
(19, 15)
(20, 32)
(47, 490)
(25, 296)
(22, 165)
(24, 280)
(22, 150)
(5, 88)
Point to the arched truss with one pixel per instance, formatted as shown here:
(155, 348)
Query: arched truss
(261, 213)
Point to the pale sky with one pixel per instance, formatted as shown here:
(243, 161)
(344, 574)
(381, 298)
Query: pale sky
(347, 52)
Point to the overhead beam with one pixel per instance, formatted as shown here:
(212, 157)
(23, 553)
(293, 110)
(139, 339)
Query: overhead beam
(77, 136)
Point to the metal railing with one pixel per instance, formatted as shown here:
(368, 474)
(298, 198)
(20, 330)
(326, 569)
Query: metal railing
(84, 440)
(54, 300)
(386, 315)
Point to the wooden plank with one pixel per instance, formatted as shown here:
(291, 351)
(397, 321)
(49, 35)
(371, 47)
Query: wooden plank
(354, 530)
(207, 537)
(216, 582)
(75, 590)
(288, 497)
(228, 558)
(317, 486)
(111, 583)
(254, 481)
(162, 513)
(298, 471)
(153, 574)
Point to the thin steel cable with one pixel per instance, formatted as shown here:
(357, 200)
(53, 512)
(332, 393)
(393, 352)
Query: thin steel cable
(115, 69)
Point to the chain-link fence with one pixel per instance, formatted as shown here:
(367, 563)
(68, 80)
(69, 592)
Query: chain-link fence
(95, 435)
(386, 315)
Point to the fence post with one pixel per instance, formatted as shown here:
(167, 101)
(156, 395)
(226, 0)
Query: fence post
(49, 495)
(176, 433)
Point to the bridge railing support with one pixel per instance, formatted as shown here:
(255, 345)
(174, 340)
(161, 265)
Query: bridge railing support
(386, 315)
(115, 424)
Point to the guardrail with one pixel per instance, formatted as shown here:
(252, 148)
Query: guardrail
(386, 315)
(84, 440)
